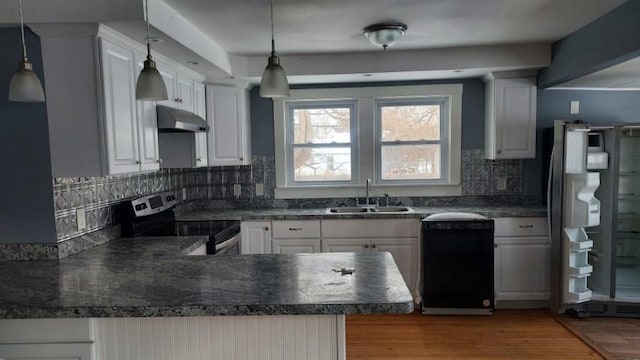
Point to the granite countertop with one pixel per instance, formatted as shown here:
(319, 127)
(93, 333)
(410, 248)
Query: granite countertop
(304, 214)
(154, 276)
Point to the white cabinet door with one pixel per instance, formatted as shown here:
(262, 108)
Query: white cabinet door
(288, 246)
(120, 120)
(522, 271)
(200, 109)
(255, 237)
(185, 93)
(511, 119)
(169, 76)
(346, 245)
(229, 137)
(405, 254)
(40, 351)
(147, 129)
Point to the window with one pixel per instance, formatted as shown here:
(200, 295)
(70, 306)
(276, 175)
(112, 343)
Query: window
(405, 138)
(411, 140)
(321, 143)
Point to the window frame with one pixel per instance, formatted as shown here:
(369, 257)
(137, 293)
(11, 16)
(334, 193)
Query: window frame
(365, 98)
(291, 146)
(444, 141)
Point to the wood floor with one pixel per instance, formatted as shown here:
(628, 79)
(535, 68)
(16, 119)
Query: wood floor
(617, 339)
(505, 335)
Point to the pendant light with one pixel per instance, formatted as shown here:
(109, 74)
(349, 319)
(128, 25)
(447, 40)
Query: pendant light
(150, 86)
(25, 86)
(274, 81)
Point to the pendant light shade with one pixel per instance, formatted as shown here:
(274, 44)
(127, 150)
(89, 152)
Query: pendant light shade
(274, 82)
(150, 85)
(25, 86)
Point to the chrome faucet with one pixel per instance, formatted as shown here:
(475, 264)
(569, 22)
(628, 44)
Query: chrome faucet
(368, 190)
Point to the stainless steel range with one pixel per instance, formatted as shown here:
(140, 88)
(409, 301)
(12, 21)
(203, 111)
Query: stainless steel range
(154, 215)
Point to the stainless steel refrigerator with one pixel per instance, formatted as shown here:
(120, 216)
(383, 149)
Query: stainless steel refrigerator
(594, 212)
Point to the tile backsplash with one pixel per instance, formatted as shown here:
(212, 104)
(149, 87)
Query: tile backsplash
(100, 197)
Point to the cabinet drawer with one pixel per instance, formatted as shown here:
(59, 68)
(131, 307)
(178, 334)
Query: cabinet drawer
(303, 229)
(389, 228)
(524, 226)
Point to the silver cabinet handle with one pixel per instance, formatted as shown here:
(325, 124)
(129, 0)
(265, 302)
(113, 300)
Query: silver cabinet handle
(366, 246)
(198, 160)
(373, 246)
(266, 228)
(525, 226)
(499, 151)
(295, 229)
(241, 159)
(176, 99)
(137, 162)
(159, 161)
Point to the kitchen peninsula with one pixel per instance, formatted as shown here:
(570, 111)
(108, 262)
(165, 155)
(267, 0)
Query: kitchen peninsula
(138, 298)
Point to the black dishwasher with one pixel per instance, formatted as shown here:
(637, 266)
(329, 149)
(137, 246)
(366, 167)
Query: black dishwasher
(457, 263)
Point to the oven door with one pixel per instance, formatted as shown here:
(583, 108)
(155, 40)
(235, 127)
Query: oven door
(230, 246)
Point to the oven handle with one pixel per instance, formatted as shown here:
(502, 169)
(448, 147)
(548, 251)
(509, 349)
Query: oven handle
(227, 244)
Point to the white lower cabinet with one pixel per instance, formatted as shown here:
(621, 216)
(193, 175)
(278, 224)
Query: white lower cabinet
(522, 261)
(41, 351)
(255, 237)
(403, 250)
(289, 246)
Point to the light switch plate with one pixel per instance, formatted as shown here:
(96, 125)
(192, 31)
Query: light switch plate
(502, 184)
(259, 189)
(575, 107)
(81, 219)
(237, 189)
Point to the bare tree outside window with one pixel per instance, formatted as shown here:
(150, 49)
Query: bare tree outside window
(410, 142)
(322, 144)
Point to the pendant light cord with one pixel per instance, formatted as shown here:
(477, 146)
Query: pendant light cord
(24, 44)
(146, 13)
(273, 42)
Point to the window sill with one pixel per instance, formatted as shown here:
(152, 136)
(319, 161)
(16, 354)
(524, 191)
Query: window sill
(309, 192)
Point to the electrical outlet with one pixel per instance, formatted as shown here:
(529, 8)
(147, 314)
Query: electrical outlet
(259, 189)
(237, 189)
(575, 107)
(184, 193)
(81, 219)
(502, 184)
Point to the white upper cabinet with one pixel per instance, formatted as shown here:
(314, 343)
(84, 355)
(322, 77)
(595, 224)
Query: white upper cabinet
(229, 132)
(96, 126)
(170, 77)
(120, 117)
(185, 92)
(510, 122)
(200, 109)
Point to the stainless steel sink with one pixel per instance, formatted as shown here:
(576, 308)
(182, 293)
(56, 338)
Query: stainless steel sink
(370, 210)
(347, 210)
(392, 209)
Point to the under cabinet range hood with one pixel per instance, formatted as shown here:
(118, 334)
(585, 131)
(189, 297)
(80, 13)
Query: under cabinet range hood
(174, 120)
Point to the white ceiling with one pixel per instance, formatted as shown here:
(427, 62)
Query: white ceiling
(241, 27)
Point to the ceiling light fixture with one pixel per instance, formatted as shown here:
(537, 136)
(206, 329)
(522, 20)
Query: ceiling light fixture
(274, 82)
(150, 86)
(384, 34)
(25, 86)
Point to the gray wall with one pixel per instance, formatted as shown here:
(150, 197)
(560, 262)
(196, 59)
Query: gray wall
(26, 208)
(609, 40)
(262, 141)
(595, 107)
